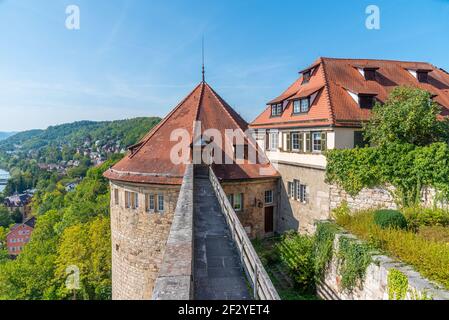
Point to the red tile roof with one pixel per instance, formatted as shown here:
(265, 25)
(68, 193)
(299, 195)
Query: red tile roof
(149, 160)
(334, 105)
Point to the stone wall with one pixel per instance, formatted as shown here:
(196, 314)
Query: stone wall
(375, 284)
(138, 240)
(366, 199)
(252, 216)
(376, 198)
(295, 215)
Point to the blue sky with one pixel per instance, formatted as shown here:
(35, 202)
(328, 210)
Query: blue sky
(139, 57)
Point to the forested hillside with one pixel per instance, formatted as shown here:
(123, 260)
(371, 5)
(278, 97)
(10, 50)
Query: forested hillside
(66, 150)
(72, 231)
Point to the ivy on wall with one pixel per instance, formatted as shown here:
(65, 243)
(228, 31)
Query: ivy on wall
(407, 167)
(354, 258)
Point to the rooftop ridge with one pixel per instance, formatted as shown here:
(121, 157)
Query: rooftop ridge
(226, 108)
(147, 137)
(371, 59)
(327, 92)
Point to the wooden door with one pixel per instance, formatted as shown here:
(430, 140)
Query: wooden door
(269, 219)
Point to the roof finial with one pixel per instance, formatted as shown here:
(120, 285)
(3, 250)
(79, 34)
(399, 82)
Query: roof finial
(203, 57)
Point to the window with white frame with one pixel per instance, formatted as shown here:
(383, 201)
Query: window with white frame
(236, 201)
(296, 106)
(150, 203)
(303, 193)
(291, 190)
(295, 141)
(276, 110)
(116, 197)
(136, 200)
(305, 105)
(268, 196)
(300, 191)
(160, 203)
(273, 140)
(127, 199)
(316, 142)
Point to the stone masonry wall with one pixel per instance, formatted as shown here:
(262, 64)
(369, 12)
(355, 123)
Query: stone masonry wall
(253, 216)
(138, 240)
(375, 284)
(375, 198)
(366, 199)
(295, 215)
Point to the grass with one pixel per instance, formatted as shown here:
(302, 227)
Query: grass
(423, 250)
(278, 272)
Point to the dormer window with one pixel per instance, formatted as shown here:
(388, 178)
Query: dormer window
(306, 76)
(422, 76)
(276, 110)
(370, 74)
(301, 105)
(366, 101)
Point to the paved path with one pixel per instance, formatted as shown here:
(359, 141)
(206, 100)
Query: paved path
(218, 272)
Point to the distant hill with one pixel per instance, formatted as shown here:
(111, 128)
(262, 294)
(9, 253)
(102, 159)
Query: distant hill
(4, 135)
(126, 132)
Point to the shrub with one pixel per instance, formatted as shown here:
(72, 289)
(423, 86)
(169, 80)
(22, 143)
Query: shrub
(419, 216)
(296, 252)
(342, 213)
(390, 219)
(430, 258)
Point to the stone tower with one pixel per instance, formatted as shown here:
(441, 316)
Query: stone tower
(145, 185)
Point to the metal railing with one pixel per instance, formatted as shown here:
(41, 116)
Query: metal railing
(262, 286)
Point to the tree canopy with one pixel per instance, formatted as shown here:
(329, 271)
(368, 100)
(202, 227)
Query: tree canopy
(410, 150)
(408, 116)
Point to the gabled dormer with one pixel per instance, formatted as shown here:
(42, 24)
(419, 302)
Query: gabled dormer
(276, 109)
(303, 100)
(308, 73)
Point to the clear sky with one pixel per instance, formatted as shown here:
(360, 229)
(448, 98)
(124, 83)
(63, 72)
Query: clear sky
(139, 57)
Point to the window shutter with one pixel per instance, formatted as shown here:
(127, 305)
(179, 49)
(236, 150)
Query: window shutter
(323, 141)
(301, 142)
(241, 199)
(308, 142)
(288, 146)
(267, 141)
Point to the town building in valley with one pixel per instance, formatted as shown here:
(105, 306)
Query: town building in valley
(20, 202)
(325, 109)
(145, 186)
(19, 236)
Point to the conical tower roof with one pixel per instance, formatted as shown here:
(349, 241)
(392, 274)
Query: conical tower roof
(149, 161)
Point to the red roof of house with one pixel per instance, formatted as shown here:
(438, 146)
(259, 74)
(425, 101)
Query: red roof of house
(334, 105)
(149, 160)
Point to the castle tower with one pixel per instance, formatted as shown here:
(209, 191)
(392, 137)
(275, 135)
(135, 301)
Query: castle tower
(145, 185)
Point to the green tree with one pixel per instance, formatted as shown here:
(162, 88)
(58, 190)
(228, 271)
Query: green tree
(5, 217)
(408, 116)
